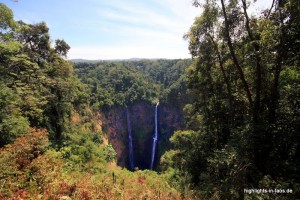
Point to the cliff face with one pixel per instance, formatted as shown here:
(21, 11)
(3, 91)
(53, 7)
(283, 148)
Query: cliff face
(142, 125)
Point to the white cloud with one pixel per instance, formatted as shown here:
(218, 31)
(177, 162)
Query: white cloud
(143, 19)
(141, 30)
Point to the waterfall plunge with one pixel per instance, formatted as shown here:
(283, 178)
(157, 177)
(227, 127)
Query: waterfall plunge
(131, 163)
(154, 138)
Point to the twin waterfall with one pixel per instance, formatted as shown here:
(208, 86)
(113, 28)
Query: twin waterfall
(155, 136)
(154, 139)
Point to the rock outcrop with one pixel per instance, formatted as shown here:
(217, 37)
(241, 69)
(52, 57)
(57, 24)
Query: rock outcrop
(142, 124)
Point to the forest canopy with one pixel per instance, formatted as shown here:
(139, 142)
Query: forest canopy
(124, 82)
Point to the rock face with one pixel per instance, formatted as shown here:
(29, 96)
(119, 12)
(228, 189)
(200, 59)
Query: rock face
(142, 125)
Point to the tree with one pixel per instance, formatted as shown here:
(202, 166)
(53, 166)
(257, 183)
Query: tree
(6, 18)
(41, 82)
(61, 47)
(243, 67)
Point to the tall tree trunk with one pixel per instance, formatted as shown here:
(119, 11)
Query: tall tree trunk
(278, 68)
(256, 106)
(226, 80)
(234, 58)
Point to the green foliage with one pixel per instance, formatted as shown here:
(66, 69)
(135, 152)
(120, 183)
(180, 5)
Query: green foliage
(13, 126)
(43, 88)
(12, 123)
(61, 47)
(110, 153)
(80, 148)
(245, 113)
(6, 18)
(124, 82)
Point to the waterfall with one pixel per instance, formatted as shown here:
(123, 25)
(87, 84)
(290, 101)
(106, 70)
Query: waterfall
(131, 164)
(154, 138)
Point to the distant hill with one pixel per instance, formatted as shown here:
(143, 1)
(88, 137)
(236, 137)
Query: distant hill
(84, 60)
(99, 60)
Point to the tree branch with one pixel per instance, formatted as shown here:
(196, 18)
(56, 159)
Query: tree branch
(258, 63)
(234, 58)
(269, 13)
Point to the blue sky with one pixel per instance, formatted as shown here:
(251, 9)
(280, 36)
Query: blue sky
(114, 29)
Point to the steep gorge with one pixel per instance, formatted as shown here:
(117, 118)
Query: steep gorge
(142, 127)
(127, 91)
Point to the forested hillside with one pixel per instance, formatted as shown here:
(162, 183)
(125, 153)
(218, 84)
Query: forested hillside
(224, 124)
(123, 82)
